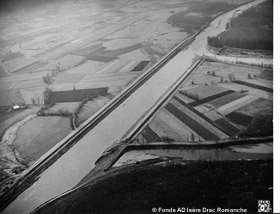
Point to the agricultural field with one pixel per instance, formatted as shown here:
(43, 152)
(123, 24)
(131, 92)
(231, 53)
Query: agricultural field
(19, 147)
(7, 119)
(218, 101)
(75, 58)
(89, 108)
(252, 29)
(32, 145)
(77, 51)
(52, 40)
(69, 106)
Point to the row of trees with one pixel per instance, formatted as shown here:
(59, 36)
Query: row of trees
(47, 95)
(47, 79)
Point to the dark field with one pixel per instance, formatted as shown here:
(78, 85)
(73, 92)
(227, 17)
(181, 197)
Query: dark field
(254, 86)
(150, 135)
(226, 184)
(140, 66)
(227, 127)
(31, 68)
(226, 99)
(260, 16)
(239, 118)
(253, 29)
(266, 74)
(210, 98)
(261, 126)
(12, 55)
(99, 53)
(194, 125)
(221, 124)
(76, 95)
(100, 58)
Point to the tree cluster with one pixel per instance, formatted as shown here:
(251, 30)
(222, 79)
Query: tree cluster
(47, 79)
(249, 43)
(214, 42)
(47, 95)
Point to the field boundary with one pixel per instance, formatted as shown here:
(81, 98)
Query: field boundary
(191, 108)
(209, 59)
(253, 86)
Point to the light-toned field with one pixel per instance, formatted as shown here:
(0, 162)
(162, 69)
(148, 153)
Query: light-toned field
(183, 130)
(88, 67)
(15, 64)
(33, 93)
(253, 91)
(90, 108)
(119, 43)
(70, 107)
(200, 120)
(232, 106)
(184, 98)
(10, 161)
(64, 63)
(221, 70)
(165, 129)
(204, 75)
(57, 38)
(9, 98)
(46, 132)
(63, 40)
(139, 54)
(213, 115)
(204, 91)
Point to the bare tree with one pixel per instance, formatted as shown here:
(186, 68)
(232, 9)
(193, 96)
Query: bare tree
(192, 137)
(47, 95)
(249, 76)
(231, 77)
(33, 101)
(38, 100)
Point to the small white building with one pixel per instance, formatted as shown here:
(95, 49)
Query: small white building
(16, 107)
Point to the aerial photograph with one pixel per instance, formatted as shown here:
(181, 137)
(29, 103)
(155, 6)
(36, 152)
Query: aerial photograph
(136, 106)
